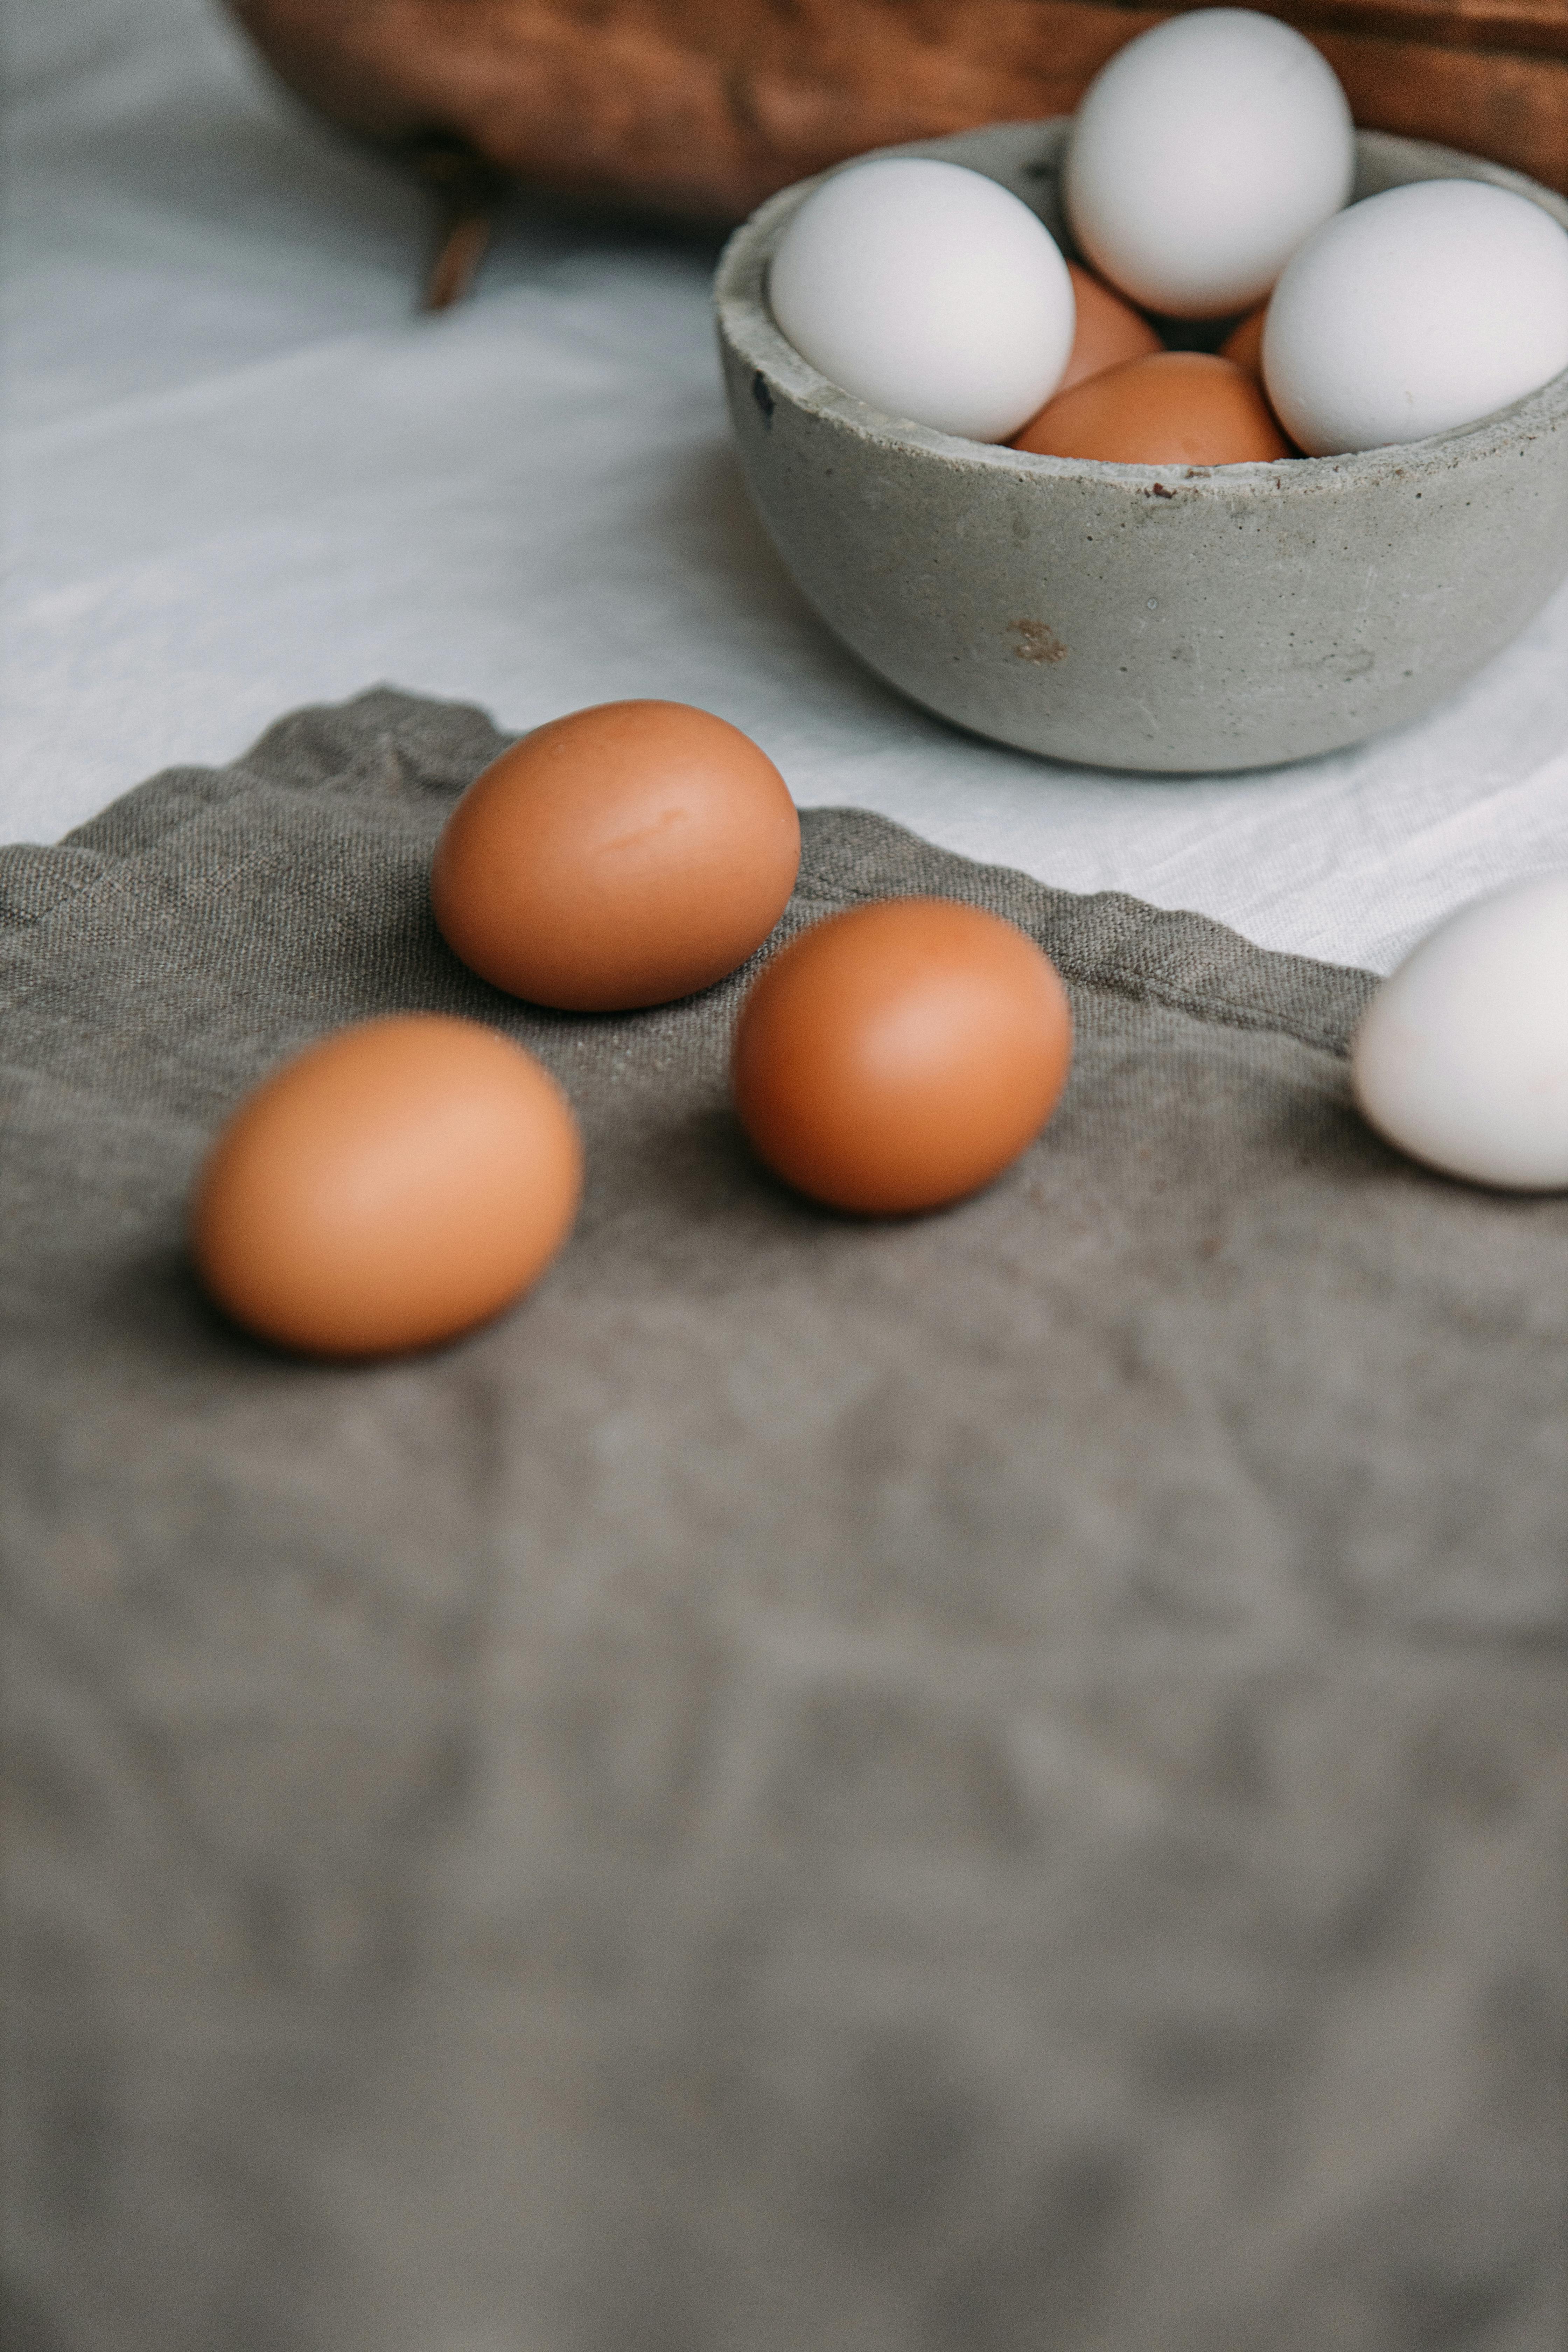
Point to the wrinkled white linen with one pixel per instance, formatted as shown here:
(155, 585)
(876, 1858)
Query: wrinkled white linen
(241, 474)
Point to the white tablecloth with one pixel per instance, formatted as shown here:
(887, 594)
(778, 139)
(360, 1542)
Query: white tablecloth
(242, 474)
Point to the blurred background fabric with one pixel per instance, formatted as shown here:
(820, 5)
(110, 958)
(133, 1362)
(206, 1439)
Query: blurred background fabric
(241, 474)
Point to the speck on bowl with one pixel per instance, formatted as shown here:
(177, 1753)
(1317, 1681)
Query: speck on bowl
(1137, 616)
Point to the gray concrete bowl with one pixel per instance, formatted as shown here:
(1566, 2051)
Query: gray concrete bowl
(1136, 616)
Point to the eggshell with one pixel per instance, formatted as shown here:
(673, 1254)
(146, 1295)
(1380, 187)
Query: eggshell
(1425, 308)
(1244, 345)
(1200, 157)
(929, 291)
(388, 1187)
(899, 1056)
(1461, 1059)
(1180, 408)
(624, 855)
(1108, 331)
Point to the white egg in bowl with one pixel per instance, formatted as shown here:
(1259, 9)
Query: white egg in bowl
(1176, 618)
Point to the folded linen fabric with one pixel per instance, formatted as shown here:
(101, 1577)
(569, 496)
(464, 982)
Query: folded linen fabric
(993, 1781)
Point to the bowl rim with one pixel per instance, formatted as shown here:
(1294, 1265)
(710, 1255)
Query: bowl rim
(746, 325)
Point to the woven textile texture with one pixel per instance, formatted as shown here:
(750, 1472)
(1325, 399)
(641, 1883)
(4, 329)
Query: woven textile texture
(985, 1784)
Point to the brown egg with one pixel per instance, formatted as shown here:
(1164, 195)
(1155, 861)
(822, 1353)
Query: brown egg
(900, 1056)
(1179, 408)
(623, 856)
(1244, 345)
(388, 1187)
(1108, 331)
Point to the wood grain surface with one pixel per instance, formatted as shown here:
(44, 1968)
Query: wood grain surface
(701, 108)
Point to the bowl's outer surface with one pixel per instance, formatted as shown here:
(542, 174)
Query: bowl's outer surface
(1136, 616)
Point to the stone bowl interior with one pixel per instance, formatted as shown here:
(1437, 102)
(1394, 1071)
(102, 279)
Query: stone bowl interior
(1177, 619)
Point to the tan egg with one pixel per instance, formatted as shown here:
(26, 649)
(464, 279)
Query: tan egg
(1244, 345)
(1108, 331)
(388, 1187)
(1179, 408)
(899, 1056)
(624, 855)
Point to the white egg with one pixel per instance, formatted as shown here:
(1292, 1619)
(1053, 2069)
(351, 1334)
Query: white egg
(1202, 155)
(930, 291)
(1425, 308)
(1461, 1059)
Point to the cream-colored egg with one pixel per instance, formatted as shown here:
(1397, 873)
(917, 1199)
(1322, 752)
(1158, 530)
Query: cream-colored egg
(1461, 1059)
(1423, 308)
(929, 291)
(1202, 155)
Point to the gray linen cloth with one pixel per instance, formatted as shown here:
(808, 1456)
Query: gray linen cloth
(985, 1784)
